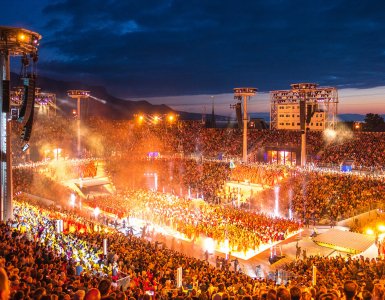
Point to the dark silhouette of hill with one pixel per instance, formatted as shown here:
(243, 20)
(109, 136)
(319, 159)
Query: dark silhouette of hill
(114, 108)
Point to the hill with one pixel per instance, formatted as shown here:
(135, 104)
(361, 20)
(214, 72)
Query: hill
(114, 107)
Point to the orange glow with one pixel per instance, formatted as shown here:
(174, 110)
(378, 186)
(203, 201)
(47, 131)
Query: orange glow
(171, 118)
(369, 231)
(21, 37)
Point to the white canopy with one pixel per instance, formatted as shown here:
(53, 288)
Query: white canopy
(345, 241)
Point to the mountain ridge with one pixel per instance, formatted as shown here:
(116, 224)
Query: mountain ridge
(118, 108)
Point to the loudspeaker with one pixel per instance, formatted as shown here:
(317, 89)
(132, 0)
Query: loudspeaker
(28, 103)
(6, 98)
(238, 111)
(310, 113)
(27, 119)
(302, 113)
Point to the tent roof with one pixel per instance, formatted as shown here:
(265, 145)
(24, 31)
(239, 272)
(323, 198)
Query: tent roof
(92, 182)
(345, 240)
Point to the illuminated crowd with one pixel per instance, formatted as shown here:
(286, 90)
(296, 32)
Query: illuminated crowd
(243, 230)
(106, 138)
(43, 261)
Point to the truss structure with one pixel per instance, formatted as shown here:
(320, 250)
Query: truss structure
(323, 98)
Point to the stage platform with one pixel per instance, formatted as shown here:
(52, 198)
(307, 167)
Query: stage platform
(91, 187)
(242, 191)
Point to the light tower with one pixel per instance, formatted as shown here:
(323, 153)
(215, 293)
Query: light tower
(13, 42)
(45, 102)
(244, 94)
(78, 95)
(305, 91)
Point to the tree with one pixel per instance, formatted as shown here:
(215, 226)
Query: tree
(374, 122)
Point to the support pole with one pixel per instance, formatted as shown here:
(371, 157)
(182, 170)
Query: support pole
(303, 147)
(245, 119)
(78, 128)
(244, 94)
(78, 95)
(5, 145)
(13, 42)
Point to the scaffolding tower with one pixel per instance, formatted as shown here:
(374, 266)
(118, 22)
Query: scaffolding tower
(80, 96)
(45, 103)
(13, 42)
(323, 99)
(244, 94)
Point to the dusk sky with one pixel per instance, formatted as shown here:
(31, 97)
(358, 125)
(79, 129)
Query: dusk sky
(182, 52)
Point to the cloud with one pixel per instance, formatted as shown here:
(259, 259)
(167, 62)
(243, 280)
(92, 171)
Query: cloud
(177, 47)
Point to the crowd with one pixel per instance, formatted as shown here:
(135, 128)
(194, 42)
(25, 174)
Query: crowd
(26, 180)
(42, 263)
(107, 138)
(311, 195)
(331, 271)
(371, 156)
(263, 174)
(333, 196)
(173, 174)
(243, 230)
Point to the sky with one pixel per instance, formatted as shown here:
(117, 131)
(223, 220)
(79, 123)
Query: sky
(183, 52)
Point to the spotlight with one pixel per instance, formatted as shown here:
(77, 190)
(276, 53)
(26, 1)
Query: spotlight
(96, 211)
(369, 231)
(21, 37)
